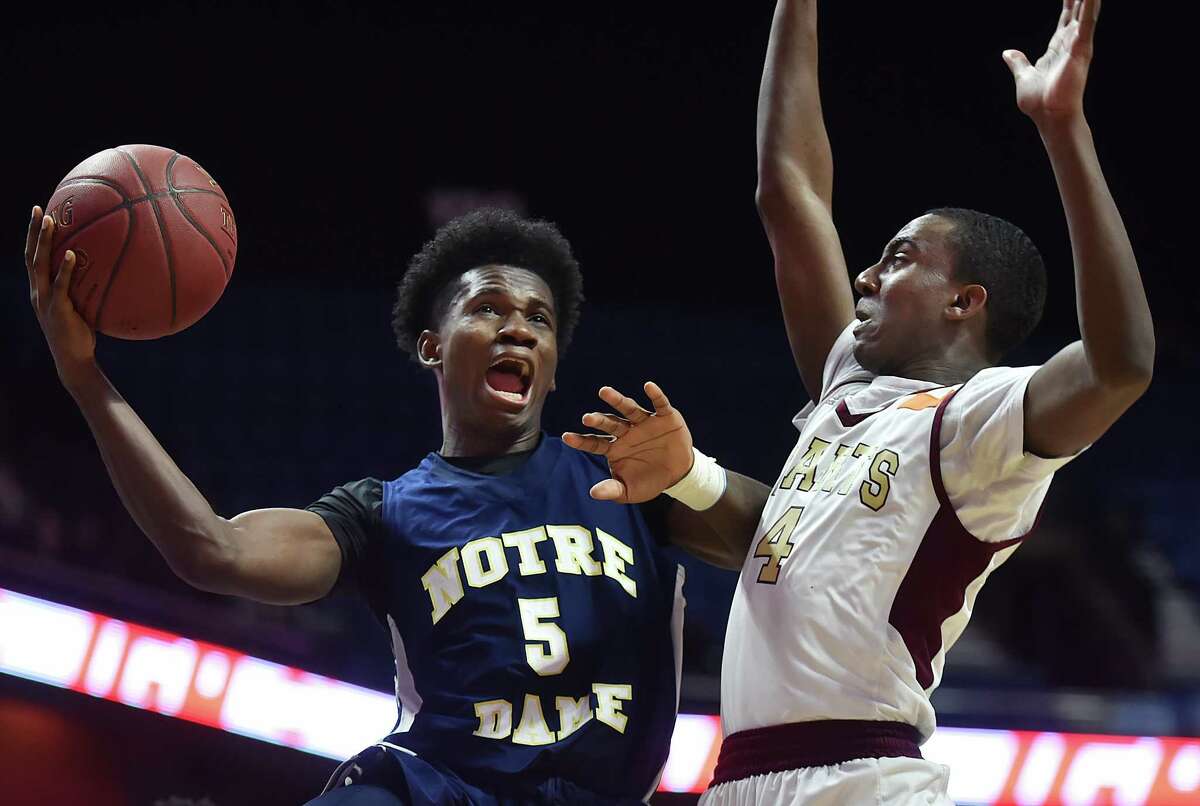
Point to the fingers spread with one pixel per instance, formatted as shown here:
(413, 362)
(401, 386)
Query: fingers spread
(608, 490)
(1087, 22)
(589, 443)
(1016, 61)
(606, 423)
(628, 407)
(658, 398)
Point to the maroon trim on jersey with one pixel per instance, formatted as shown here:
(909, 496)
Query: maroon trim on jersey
(947, 561)
(849, 420)
(935, 453)
(811, 744)
(846, 382)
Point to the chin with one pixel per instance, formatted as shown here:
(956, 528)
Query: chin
(865, 356)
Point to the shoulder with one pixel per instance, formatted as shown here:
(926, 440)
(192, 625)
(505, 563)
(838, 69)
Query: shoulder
(995, 486)
(992, 385)
(991, 405)
(364, 494)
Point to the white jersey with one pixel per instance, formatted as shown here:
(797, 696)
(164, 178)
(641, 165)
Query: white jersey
(897, 502)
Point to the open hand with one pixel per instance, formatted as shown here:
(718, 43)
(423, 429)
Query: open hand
(1052, 88)
(647, 451)
(72, 340)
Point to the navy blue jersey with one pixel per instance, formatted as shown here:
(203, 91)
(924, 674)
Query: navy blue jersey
(536, 630)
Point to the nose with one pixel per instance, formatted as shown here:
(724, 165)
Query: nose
(517, 331)
(867, 281)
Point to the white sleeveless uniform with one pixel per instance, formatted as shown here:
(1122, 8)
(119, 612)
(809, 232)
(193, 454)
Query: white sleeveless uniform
(897, 502)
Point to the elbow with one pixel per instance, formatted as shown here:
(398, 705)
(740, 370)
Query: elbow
(1132, 378)
(777, 178)
(206, 565)
(767, 198)
(785, 195)
(785, 177)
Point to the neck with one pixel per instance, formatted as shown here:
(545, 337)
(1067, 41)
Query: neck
(943, 374)
(463, 441)
(943, 369)
(947, 364)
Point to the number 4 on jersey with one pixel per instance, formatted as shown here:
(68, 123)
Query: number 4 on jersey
(776, 545)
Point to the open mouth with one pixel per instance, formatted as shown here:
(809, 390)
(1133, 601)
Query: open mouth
(510, 379)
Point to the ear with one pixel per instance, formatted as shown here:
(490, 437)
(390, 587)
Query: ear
(969, 301)
(429, 349)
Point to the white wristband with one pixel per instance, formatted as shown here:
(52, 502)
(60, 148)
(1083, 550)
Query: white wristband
(703, 485)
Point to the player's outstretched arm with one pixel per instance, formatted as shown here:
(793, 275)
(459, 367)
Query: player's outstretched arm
(650, 451)
(795, 193)
(1082, 390)
(279, 556)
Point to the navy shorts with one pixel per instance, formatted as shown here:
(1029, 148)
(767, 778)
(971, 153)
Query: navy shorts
(380, 777)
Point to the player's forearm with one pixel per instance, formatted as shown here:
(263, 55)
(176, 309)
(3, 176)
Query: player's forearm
(722, 534)
(793, 147)
(1114, 316)
(161, 499)
(735, 515)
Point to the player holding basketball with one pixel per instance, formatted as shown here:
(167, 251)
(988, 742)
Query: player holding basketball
(536, 631)
(921, 464)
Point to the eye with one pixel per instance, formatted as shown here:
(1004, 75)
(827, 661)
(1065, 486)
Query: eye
(540, 317)
(897, 259)
(486, 307)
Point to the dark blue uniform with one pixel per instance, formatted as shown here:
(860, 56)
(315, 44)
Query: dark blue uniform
(535, 630)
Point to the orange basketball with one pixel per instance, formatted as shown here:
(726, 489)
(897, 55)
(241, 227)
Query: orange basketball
(154, 240)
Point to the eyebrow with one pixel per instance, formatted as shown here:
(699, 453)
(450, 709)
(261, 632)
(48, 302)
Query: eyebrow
(896, 243)
(534, 299)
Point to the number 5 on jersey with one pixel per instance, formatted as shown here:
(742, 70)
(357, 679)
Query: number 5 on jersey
(776, 545)
(545, 642)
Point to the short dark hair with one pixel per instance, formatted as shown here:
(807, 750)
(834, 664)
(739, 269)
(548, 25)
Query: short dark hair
(997, 255)
(486, 237)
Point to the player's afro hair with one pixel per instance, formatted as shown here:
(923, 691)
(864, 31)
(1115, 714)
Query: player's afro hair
(1000, 257)
(486, 237)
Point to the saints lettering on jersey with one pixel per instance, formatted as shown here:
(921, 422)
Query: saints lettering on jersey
(828, 468)
(824, 468)
(487, 560)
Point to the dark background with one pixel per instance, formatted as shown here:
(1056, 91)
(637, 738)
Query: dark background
(345, 134)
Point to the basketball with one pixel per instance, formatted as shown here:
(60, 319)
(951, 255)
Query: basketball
(154, 240)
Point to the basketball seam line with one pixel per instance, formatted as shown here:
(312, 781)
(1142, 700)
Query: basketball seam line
(100, 180)
(128, 204)
(112, 275)
(125, 205)
(166, 241)
(191, 219)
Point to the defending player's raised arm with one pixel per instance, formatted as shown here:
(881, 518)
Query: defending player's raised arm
(278, 556)
(649, 452)
(1081, 391)
(795, 192)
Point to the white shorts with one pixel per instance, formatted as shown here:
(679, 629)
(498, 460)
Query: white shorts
(878, 781)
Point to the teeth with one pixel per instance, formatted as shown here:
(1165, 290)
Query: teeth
(511, 363)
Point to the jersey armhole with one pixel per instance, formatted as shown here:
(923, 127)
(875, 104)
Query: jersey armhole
(939, 485)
